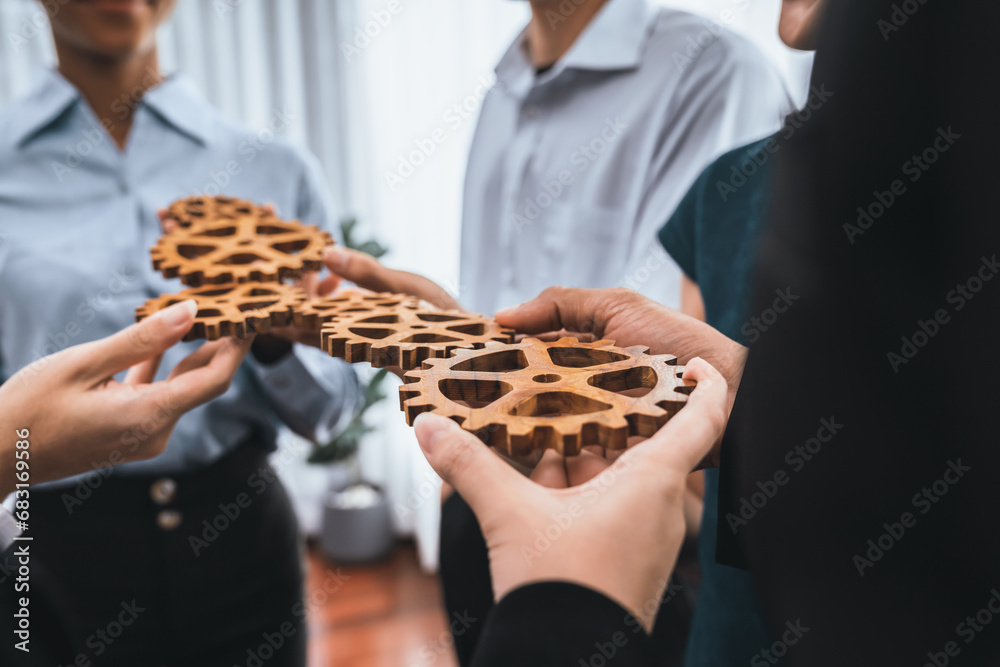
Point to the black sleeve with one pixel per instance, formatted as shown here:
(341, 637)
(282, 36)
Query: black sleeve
(465, 576)
(863, 440)
(559, 624)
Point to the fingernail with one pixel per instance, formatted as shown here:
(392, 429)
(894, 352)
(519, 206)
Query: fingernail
(180, 313)
(428, 426)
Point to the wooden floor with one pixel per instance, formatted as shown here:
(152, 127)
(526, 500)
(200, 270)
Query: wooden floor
(388, 614)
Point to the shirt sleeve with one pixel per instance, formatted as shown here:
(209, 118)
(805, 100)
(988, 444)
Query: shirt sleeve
(678, 236)
(313, 394)
(728, 97)
(559, 623)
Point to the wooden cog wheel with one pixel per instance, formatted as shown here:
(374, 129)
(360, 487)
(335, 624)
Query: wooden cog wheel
(395, 330)
(195, 211)
(313, 314)
(236, 309)
(561, 395)
(244, 249)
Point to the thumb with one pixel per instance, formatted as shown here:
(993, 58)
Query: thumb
(139, 342)
(468, 465)
(687, 438)
(357, 267)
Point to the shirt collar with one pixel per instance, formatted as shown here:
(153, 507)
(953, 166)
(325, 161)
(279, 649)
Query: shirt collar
(179, 103)
(614, 40)
(46, 103)
(176, 101)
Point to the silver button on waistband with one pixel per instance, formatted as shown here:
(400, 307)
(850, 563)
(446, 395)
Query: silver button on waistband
(168, 519)
(163, 491)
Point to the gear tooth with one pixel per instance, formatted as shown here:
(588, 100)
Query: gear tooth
(637, 350)
(604, 342)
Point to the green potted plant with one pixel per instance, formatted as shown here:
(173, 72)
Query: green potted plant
(357, 522)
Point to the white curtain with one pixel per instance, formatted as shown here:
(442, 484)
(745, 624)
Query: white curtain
(366, 83)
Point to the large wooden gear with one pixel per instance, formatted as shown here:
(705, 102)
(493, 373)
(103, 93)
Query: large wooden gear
(561, 395)
(195, 211)
(244, 249)
(235, 309)
(396, 330)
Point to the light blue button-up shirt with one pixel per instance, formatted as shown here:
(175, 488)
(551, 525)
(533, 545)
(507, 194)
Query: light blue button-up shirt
(77, 219)
(572, 172)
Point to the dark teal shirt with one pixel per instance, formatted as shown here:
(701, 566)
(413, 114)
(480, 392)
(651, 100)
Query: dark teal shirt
(713, 237)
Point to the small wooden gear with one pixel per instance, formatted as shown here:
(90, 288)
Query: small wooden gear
(397, 330)
(561, 395)
(244, 249)
(313, 314)
(235, 309)
(195, 211)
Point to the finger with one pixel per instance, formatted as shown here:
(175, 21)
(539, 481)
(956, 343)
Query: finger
(328, 284)
(144, 372)
(357, 267)
(550, 471)
(576, 310)
(167, 224)
(583, 468)
(200, 357)
(269, 209)
(197, 386)
(469, 465)
(689, 435)
(139, 342)
(310, 284)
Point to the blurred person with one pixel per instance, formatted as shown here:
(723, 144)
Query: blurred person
(86, 160)
(60, 417)
(713, 237)
(603, 114)
(872, 546)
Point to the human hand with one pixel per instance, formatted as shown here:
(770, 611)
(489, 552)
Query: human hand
(618, 533)
(367, 272)
(628, 318)
(77, 414)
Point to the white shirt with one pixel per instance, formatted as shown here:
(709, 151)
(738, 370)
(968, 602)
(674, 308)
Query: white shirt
(572, 172)
(8, 527)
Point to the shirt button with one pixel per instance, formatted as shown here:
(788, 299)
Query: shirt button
(163, 491)
(168, 519)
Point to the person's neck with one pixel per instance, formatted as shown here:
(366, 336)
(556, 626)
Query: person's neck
(552, 33)
(111, 87)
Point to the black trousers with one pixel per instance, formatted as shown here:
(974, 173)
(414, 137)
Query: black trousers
(201, 569)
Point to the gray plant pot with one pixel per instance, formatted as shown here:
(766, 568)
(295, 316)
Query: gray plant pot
(357, 534)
